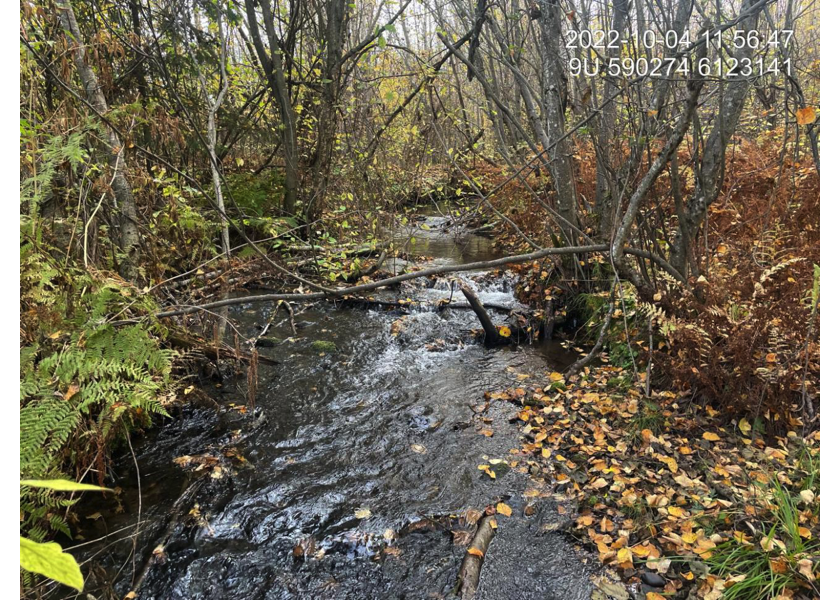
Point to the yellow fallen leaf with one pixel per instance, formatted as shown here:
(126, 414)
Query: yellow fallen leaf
(744, 426)
(599, 483)
(689, 537)
(624, 556)
(487, 470)
(768, 543)
(654, 596)
(504, 509)
(676, 511)
(672, 464)
(712, 437)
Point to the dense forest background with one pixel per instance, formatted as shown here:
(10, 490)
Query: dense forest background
(174, 152)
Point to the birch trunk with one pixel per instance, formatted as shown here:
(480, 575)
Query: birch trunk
(555, 93)
(129, 234)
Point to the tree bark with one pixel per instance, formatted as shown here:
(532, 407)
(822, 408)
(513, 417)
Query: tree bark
(367, 287)
(555, 94)
(470, 570)
(491, 335)
(213, 106)
(336, 27)
(709, 172)
(273, 67)
(603, 190)
(129, 234)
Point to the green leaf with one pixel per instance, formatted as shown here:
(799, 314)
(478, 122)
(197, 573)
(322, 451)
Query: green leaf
(62, 485)
(51, 561)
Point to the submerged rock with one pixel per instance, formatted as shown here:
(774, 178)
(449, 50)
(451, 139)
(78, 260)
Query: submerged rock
(324, 346)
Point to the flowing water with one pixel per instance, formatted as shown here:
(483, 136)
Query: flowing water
(343, 483)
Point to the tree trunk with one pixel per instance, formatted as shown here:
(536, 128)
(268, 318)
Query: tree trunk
(129, 233)
(603, 190)
(491, 335)
(336, 28)
(555, 94)
(213, 106)
(273, 67)
(710, 170)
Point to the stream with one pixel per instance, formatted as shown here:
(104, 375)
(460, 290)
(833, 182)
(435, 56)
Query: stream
(349, 480)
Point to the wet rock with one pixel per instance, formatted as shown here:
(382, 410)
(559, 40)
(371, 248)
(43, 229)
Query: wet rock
(268, 342)
(653, 579)
(324, 346)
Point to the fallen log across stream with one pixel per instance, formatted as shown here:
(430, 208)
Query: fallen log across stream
(367, 287)
(440, 306)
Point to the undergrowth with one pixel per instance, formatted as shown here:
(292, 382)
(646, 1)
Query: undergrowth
(86, 382)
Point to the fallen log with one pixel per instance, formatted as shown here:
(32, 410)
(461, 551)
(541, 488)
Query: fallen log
(346, 249)
(351, 301)
(491, 334)
(470, 569)
(366, 287)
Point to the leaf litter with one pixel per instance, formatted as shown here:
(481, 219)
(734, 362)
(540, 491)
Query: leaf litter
(656, 495)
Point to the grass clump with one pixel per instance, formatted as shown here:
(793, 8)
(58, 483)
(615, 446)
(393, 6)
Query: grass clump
(779, 559)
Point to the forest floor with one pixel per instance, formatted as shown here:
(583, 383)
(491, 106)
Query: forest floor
(670, 495)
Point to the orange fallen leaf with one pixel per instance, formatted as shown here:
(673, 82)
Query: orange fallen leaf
(475, 552)
(712, 437)
(779, 565)
(504, 509)
(806, 116)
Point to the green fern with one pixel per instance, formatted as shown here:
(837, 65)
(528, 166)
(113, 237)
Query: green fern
(83, 381)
